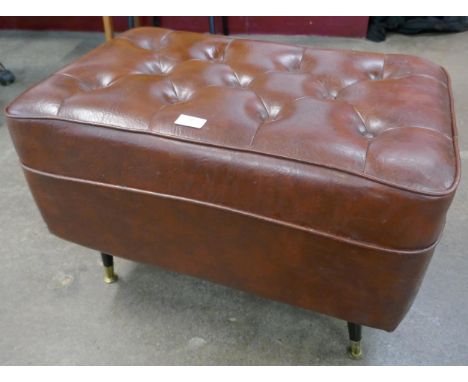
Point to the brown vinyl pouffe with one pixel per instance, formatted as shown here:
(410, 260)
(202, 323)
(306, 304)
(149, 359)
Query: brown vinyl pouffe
(319, 178)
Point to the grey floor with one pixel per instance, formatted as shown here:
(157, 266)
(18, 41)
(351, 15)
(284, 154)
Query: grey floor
(55, 309)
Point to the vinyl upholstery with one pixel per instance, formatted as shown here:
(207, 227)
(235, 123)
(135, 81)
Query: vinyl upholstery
(355, 147)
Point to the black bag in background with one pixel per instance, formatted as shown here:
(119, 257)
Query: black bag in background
(379, 25)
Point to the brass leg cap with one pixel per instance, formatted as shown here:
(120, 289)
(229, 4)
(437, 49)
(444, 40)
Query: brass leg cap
(110, 280)
(355, 351)
(109, 275)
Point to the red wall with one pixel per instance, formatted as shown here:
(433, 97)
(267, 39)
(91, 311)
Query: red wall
(352, 26)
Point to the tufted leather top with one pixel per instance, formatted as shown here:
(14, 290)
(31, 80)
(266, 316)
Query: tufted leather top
(383, 117)
(356, 146)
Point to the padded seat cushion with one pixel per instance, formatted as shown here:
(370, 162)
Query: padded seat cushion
(324, 140)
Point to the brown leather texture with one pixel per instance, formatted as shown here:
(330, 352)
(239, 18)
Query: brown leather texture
(321, 178)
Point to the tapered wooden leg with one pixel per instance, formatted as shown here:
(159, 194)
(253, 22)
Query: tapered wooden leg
(108, 27)
(355, 332)
(108, 262)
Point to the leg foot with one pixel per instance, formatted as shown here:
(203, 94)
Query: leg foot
(108, 262)
(354, 350)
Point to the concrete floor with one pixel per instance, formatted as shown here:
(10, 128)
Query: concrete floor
(55, 309)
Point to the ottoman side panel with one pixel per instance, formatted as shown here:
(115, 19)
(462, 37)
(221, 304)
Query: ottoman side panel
(313, 197)
(355, 283)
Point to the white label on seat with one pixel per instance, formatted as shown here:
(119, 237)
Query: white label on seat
(190, 121)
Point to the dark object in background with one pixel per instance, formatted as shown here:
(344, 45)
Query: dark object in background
(6, 76)
(380, 25)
